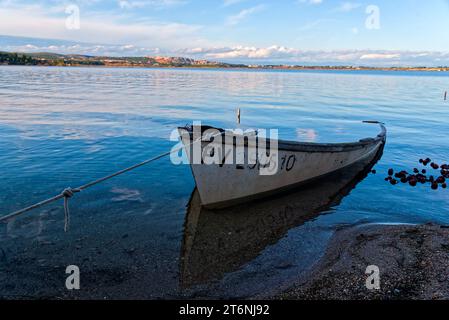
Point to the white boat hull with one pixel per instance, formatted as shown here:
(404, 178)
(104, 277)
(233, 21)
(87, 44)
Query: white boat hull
(228, 184)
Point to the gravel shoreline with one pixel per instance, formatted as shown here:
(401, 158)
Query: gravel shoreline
(413, 261)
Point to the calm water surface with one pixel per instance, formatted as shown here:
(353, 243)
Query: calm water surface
(63, 127)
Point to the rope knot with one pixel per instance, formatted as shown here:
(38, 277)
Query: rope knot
(69, 192)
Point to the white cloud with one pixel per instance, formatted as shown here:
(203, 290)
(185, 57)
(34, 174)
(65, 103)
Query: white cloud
(313, 2)
(227, 3)
(380, 56)
(250, 52)
(348, 6)
(284, 55)
(132, 4)
(35, 22)
(85, 49)
(237, 18)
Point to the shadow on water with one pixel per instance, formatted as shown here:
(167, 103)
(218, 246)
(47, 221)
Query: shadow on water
(217, 242)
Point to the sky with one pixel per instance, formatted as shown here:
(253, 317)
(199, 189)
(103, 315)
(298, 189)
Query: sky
(375, 32)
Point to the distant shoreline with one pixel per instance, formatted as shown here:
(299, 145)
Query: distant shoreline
(74, 60)
(404, 69)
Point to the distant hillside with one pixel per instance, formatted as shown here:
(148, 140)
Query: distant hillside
(54, 59)
(16, 59)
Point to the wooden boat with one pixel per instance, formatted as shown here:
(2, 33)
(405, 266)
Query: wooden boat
(222, 185)
(220, 241)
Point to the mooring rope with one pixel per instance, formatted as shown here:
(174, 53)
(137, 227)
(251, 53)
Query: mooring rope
(68, 193)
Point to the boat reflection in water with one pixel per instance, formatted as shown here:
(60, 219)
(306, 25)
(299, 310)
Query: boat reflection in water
(217, 242)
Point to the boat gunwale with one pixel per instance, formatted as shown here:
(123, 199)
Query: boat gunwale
(290, 145)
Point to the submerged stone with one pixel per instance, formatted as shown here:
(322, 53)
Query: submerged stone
(441, 179)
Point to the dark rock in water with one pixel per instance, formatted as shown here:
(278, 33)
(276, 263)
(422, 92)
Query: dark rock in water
(420, 176)
(444, 186)
(373, 171)
(402, 174)
(441, 179)
(413, 182)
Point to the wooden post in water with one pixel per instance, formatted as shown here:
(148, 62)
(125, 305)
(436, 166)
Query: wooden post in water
(445, 95)
(238, 115)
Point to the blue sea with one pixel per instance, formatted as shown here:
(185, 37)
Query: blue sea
(63, 127)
